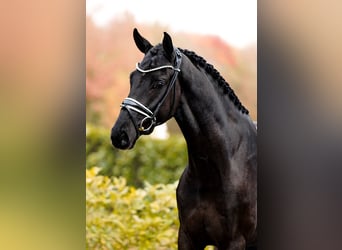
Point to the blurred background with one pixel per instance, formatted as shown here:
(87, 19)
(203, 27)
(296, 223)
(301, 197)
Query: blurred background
(43, 149)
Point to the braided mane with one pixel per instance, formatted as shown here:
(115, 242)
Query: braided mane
(209, 68)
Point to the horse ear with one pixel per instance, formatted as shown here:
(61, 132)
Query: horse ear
(143, 45)
(168, 46)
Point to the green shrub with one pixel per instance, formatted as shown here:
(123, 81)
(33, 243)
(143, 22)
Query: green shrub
(123, 217)
(152, 160)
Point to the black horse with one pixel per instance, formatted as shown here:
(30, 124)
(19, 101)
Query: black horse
(217, 192)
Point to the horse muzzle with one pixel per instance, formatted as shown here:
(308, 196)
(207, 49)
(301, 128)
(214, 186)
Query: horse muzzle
(123, 134)
(120, 140)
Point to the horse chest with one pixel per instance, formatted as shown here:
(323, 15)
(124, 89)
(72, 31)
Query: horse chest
(202, 213)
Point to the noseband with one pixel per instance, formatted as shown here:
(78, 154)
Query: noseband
(147, 124)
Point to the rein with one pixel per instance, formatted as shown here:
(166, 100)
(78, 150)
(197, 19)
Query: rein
(147, 124)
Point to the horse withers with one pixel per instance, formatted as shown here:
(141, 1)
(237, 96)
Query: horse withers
(217, 192)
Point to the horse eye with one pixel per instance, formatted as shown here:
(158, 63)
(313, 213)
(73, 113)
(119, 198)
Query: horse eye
(158, 84)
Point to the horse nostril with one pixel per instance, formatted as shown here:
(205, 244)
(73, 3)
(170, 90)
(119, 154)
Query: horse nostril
(124, 139)
(120, 140)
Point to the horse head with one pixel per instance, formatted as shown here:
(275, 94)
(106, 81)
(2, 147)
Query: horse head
(154, 93)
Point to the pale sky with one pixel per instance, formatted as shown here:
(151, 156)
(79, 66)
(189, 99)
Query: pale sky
(235, 21)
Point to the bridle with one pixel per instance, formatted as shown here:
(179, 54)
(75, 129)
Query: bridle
(147, 124)
(150, 117)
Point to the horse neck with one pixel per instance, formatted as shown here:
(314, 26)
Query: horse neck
(208, 119)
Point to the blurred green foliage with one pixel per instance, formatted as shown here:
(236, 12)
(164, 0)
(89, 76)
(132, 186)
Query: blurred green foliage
(126, 206)
(124, 217)
(152, 160)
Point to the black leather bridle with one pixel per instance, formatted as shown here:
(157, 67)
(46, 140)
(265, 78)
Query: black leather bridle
(147, 124)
